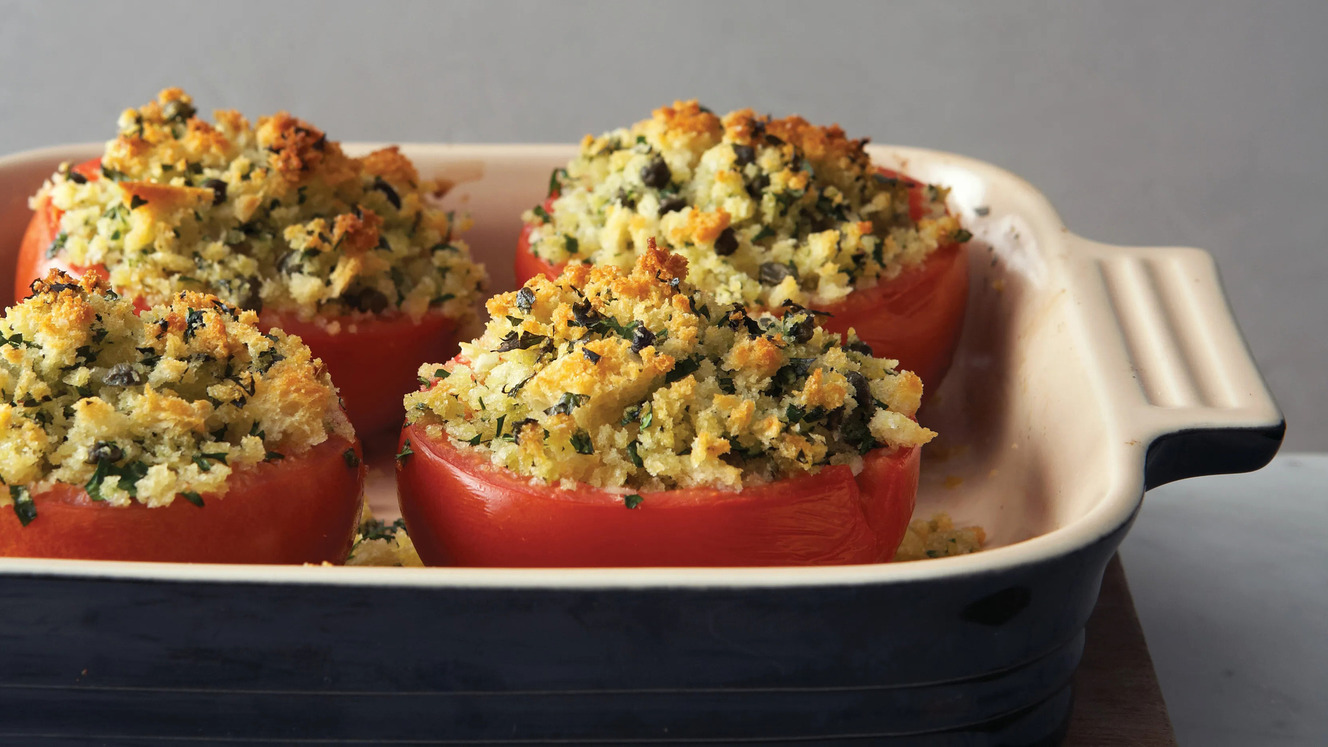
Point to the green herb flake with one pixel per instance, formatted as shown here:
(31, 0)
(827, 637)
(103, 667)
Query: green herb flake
(352, 459)
(57, 245)
(24, 508)
(375, 529)
(273, 456)
(682, 369)
(405, 452)
(136, 202)
(634, 456)
(582, 443)
(568, 402)
(556, 181)
(192, 497)
(630, 414)
(201, 459)
(632, 501)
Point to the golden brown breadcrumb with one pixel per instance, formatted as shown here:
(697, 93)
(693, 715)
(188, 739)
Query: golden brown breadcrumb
(273, 217)
(148, 407)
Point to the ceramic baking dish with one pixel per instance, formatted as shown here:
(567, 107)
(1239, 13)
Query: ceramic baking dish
(1086, 374)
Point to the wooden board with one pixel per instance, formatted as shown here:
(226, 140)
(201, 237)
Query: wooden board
(1117, 697)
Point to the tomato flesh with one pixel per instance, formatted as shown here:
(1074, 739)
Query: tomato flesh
(373, 366)
(300, 509)
(915, 317)
(460, 509)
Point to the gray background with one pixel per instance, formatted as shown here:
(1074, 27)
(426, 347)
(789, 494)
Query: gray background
(1197, 123)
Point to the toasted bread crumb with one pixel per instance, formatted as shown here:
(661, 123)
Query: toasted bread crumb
(274, 217)
(737, 195)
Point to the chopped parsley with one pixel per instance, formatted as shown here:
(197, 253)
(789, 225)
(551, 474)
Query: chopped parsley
(201, 459)
(24, 508)
(568, 402)
(582, 443)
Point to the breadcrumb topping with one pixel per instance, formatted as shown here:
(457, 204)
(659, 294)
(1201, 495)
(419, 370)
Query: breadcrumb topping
(270, 217)
(638, 380)
(938, 537)
(765, 210)
(148, 408)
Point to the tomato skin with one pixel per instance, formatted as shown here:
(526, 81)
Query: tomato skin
(527, 265)
(462, 510)
(32, 260)
(373, 367)
(301, 509)
(915, 317)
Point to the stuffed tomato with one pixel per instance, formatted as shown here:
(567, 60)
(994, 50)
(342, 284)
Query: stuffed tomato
(342, 251)
(184, 433)
(767, 212)
(615, 418)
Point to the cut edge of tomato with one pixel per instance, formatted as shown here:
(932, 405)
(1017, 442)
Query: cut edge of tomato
(69, 524)
(871, 534)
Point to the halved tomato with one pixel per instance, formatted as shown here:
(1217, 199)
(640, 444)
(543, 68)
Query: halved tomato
(460, 509)
(372, 361)
(374, 364)
(299, 509)
(915, 317)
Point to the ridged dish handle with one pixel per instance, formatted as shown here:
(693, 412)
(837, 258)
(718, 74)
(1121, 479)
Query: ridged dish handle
(1192, 390)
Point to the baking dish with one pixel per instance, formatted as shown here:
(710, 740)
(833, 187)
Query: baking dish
(1086, 374)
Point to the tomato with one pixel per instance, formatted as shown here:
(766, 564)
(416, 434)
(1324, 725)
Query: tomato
(300, 509)
(373, 366)
(377, 364)
(460, 509)
(915, 317)
(527, 265)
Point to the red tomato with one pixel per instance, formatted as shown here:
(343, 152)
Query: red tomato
(460, 509)
(373, 366)
(301, 509)
(915, 317)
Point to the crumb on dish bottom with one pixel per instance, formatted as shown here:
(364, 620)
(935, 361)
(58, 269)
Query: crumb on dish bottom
(379, 544)
(937, 537)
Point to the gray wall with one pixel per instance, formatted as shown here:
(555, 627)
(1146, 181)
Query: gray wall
(1186, 122)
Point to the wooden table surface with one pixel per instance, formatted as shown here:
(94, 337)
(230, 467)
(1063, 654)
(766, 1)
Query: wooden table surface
(1117, 697)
